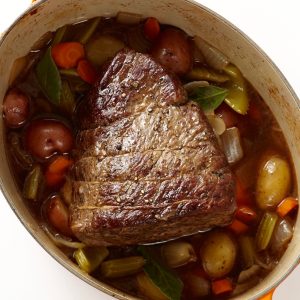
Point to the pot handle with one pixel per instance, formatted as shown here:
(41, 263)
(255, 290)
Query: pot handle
(268, 296)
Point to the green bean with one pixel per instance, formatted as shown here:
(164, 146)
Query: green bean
(265, 230)
(89, 259)
(122, 267)
(32, 183)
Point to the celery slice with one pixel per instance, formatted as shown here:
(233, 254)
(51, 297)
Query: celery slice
(265, 230)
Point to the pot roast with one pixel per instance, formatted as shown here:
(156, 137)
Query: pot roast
(148, 165)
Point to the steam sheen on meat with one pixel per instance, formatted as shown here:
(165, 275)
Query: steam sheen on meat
(148, 166)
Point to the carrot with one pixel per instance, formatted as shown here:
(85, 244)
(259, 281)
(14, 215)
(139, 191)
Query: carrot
(67, 55)
(56, 171)
(151, 29)
(238, 227)
(221, 286)
(268, 296)
(87, 71)
(286, 206)
(246, 214)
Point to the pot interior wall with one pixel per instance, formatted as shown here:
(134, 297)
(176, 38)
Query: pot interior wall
(195, 20)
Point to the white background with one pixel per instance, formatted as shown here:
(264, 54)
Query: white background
(27, 272)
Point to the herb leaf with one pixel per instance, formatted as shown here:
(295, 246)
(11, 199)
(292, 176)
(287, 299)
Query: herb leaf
(49, 78)
(208, 97)
(167, 282)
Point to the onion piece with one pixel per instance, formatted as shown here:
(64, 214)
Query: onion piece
(190, 86)
(232, 145)
(214, 58)
(128, 18)
(216, 123)
(242, 287)
(249, 273)
(60, 241)
(283, 233)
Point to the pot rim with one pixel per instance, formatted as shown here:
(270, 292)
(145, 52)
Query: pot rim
(101, 286)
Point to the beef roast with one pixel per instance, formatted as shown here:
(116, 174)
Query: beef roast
(148, 166)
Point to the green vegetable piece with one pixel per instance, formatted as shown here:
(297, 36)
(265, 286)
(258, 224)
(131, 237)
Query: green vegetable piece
(89, 259)
(49, 78)
(89, 30)
(69, 72)
(166, 281)
(24, 159)
(208, 97)
(67, 102)
(122, 267)
(237, 97)
(206, 74)
(265, 230)
(247, 247)
(33, 183)
(59, 35)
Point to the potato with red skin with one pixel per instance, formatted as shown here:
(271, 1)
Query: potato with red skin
(173, 51)
(15, 108)
(45, 137)
(58, 215)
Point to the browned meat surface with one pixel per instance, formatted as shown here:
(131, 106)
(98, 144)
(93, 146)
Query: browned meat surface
(148, 165)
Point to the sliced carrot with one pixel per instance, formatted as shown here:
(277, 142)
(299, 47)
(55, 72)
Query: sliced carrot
(221, 286)
(67, 55)
(246, 214)
(268, 296)
(238, 227)
(87, 72)
(286, 206)
(56, 171)
(151, 29)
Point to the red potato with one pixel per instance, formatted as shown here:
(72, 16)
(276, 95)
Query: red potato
(15, 108)
(173, 51)
(58, 215)
(45, 137)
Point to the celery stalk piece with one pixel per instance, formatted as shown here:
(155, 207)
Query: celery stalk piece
(89, 259)
(265, 230)
(207, 75)
(89, 30)
(122, 267)
(59, 35)
(32, 183)
(247, 247)
(237, 97)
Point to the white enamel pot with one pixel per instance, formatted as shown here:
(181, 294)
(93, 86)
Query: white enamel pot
(48, 15)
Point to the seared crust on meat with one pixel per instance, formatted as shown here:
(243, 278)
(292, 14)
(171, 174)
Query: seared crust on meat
(148, 166)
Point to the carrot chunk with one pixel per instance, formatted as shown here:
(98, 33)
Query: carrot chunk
(56, 171)
(286, 206)
(238, 227)
(151, 29)
(221, 286)
(86, 71)
(246, 214)
(67, 55)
